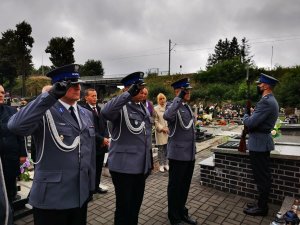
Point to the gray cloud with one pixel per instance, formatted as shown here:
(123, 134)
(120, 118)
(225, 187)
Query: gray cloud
(129, 35)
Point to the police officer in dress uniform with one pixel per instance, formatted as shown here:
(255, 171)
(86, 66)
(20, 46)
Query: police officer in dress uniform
(64, 136)
(260, 142)
(181, 150)
(129, 158)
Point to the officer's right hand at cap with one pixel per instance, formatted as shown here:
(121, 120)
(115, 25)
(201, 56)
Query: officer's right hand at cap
(59, 89)
(182, 93)
(135, 88)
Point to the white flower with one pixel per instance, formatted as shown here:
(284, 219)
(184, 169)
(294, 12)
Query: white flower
(273, 132)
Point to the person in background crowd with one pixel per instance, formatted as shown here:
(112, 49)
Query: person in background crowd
(181, 150)
(102, 137)
(12, 149)
(260, 142)
(64, 136)
(129, 158)
(161, 132)
(148, 104)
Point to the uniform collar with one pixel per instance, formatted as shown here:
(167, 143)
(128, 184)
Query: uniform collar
(67, 106)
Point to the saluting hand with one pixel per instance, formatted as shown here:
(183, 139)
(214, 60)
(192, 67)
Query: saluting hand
(59, 89)
(182, 93)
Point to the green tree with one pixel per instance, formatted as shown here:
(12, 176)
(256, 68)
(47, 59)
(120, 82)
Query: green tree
(61, 50)
(228, 71)
(92, 68)
(228, 50)
(15, 53)
(245, 52)
(8, 70)
(288, 90)
(24, 43)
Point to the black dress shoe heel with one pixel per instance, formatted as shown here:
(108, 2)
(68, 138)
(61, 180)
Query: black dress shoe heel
(251, 205)
(256, 211)
(189, 220)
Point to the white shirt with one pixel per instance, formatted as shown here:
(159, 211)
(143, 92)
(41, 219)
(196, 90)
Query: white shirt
(67, 106)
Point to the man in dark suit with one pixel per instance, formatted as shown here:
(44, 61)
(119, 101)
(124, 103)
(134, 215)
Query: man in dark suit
(64, 137)
(260, 142)
(12, 149)
(102, 137)
(129, 158)
(181, 150)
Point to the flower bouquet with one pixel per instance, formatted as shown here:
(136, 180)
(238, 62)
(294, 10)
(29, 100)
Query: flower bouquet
(24, 169)
(276, 131)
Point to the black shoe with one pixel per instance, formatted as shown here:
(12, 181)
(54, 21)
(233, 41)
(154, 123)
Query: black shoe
(189, 220)
(251, 205)
(256, 211)
(100, 191)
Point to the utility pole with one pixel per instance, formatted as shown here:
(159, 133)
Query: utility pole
(170, 49)
(272, 58)
(169, 71)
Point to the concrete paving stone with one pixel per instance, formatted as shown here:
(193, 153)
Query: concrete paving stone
(212, 217)
(225, 207)
(101, 220)
(253, 219)
(228, 221)
(220, 213)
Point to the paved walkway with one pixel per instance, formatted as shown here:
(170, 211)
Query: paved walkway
(209, 206)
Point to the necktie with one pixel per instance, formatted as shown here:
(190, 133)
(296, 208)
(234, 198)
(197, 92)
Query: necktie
(73, 114)
(95, 110)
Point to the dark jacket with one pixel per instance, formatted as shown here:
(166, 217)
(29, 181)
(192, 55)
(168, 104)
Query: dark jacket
(12, 146)
(100, 129)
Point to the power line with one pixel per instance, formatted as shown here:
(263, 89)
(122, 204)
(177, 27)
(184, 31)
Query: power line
(271, 40)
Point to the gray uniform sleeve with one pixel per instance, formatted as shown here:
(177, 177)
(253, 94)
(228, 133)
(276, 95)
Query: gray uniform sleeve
(259, 115)
(27, 120)
(112, 108)
(170, 113)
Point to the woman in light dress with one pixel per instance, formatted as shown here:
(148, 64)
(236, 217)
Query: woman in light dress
(161, 132)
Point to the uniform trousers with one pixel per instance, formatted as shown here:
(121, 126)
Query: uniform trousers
(180, 177)
(74, 216)
(260, 162)
(129, 190)
(99, 165)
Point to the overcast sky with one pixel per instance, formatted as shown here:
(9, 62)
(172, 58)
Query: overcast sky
(131, 35)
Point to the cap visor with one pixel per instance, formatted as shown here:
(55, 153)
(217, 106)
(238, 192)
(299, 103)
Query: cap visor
(78, 82)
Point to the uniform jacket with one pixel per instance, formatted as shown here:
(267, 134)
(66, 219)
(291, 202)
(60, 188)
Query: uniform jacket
(12, 146)
(160, 123)
(131, 153)
(181, 144)
(260, 124)
(100, 129)
(62, 180)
